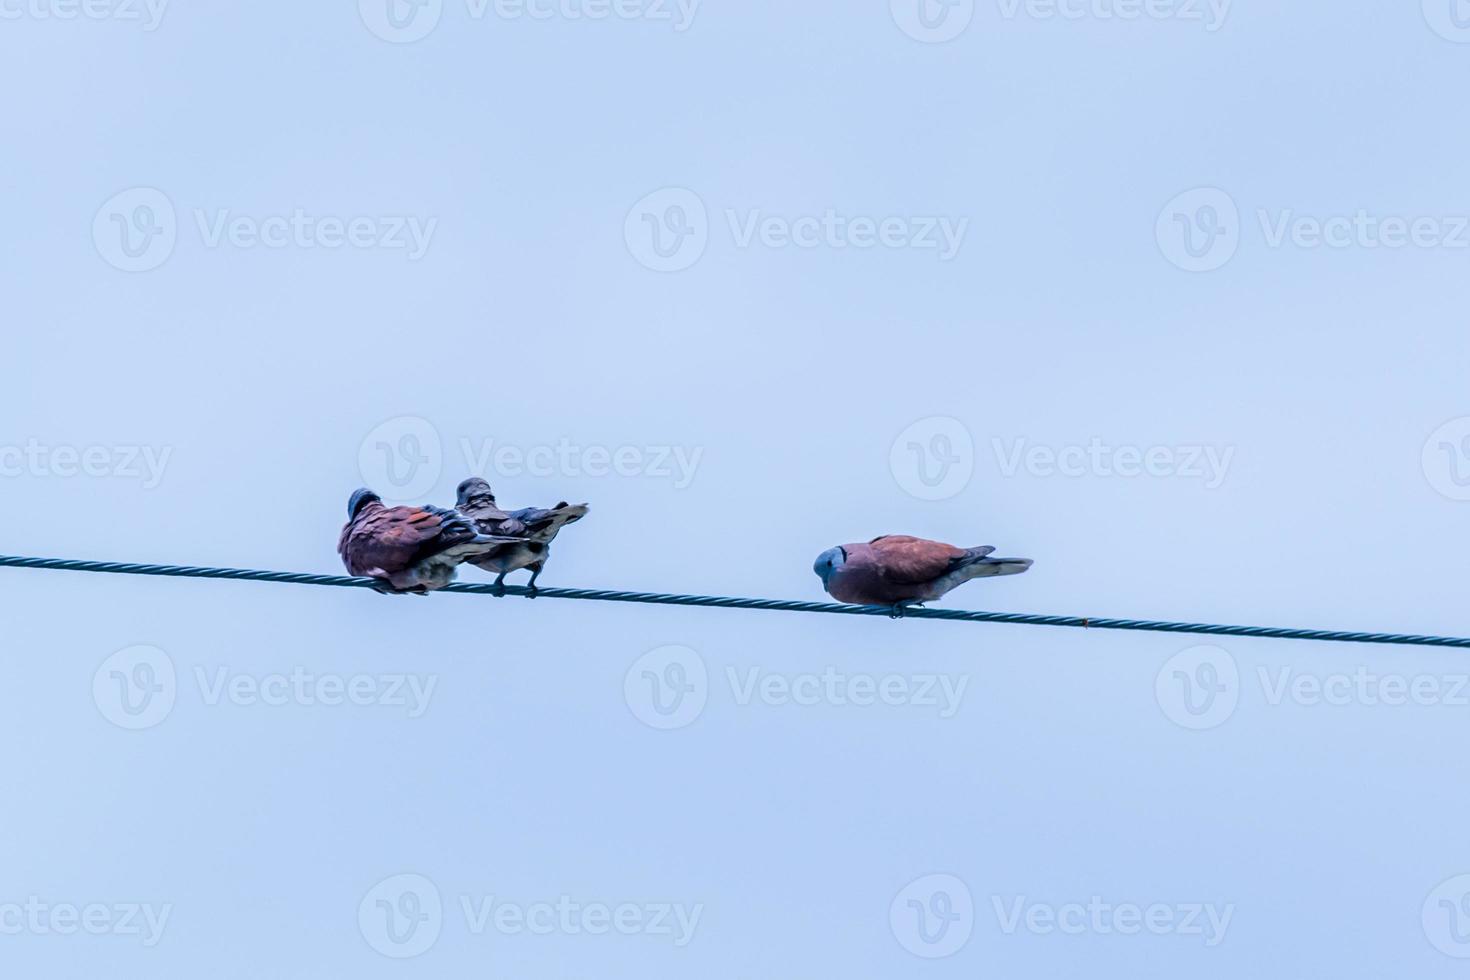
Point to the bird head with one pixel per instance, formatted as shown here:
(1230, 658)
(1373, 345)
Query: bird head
(361, 499)
(828, 562)
(473, 489)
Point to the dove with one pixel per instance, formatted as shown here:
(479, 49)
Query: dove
(408, 549)
(534, 528)
(898, 570)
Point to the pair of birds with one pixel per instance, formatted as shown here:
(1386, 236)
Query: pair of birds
(419, 549)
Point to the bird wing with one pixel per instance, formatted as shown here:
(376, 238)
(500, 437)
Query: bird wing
(908, 560)
(493, 520)
(396, 538)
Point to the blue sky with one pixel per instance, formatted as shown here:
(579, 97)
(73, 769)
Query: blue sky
(1167, 296)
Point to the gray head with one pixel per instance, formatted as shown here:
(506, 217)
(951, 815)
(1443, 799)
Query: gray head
(473, 488)
(828, 562)
(361, 499)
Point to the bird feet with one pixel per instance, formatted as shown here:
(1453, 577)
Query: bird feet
(385, 586)
(499, 586)
(900, 609)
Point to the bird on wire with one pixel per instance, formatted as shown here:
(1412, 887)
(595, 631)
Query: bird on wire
(409, 550)
(532, 529)
(902, 571)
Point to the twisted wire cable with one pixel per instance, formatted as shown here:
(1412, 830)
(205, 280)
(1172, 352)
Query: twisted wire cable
(734, 602)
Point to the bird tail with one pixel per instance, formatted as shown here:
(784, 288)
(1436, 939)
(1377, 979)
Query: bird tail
(565, 513)
(984, 566)
(495, 539)
(546, 524)
(463, 535)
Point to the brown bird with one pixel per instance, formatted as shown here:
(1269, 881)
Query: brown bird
(533, 528)
(898, 570)
(408, 549)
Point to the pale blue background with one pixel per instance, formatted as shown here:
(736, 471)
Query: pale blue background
(529, 322)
